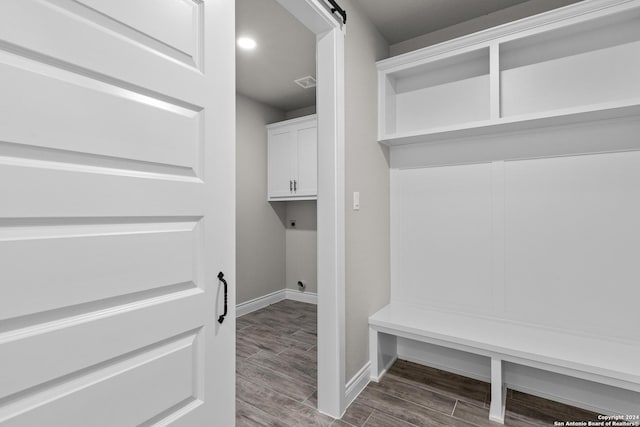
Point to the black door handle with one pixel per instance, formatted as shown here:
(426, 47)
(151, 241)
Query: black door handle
(223, 315)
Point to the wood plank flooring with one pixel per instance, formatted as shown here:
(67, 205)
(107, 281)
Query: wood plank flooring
(277, 378)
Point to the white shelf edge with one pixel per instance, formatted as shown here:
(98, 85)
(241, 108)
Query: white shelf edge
(293, 121)
(606, 111)
(289, 199)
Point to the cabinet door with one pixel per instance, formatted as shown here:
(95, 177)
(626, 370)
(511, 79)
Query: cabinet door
(307, 161)
(282, 151)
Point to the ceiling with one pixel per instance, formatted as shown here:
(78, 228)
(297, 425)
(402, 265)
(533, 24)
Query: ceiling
(400, 20)
(286, 51)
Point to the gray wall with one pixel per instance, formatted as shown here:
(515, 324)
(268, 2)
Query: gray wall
(513, 13)
(260, 232)
(367, 171)
(300, 112)
(301, 242)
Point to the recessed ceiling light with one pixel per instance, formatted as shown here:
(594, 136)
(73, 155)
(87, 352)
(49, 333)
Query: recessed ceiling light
(247, 43)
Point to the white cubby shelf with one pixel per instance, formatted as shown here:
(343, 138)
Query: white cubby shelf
(575, 64)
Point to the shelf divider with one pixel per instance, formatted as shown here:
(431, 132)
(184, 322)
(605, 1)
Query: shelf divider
(494, 80)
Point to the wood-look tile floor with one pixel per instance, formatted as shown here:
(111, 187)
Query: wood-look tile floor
(276, 384)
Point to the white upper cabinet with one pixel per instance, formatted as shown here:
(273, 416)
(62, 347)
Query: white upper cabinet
(293, 159)
(574, 64)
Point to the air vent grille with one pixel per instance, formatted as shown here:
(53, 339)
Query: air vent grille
(306, 82)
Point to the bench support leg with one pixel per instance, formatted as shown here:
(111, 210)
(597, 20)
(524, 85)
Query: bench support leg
(498, 392)
(383, 351)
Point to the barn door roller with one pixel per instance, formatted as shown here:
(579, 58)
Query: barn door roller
(335, 8)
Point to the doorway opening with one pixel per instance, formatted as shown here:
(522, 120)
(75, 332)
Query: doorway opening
(328, 37)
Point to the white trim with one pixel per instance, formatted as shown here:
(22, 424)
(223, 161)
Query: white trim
(260, 302)
(498, 405)
(331, 200)
(274, 297)
(313, 14)
(306, 297)
(356, 384)
(331, 225)
(295, 121)
(291, 199)
(384, 370)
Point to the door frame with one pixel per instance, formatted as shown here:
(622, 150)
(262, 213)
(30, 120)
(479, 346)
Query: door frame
(331, 200)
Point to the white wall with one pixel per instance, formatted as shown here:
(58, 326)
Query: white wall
(366, 171)
(301, 243)
(513, 13)
(260, 232)
(540, 241)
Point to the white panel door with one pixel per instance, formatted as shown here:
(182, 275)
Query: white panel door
(306, 182)
(281, 159)
(116, 212)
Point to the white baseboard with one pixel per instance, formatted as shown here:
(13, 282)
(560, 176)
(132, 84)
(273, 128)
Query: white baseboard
(356, 384)
(260, 302)
(274, 297)
(295, 295)
(385, 369)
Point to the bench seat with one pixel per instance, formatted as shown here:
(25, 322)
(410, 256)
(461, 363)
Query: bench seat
(605, 361)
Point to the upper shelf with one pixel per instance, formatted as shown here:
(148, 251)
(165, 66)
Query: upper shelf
(559, 117)
(579, 63)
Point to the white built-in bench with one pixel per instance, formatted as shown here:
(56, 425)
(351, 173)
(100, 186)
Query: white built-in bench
(609, 362)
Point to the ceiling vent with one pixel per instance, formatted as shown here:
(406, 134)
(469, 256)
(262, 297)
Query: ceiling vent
(306, 82)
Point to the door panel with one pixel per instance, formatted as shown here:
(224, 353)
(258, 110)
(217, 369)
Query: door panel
(137, 127)
(125, 392)
(116, 213)
(110, 260)
(71, 188)
(307, 181)
(86, 41)
(168, 21)
(108, 330)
